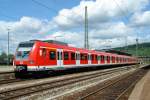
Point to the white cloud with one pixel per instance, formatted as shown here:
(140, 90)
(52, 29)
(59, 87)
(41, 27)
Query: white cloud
(141, 19)
(105, 24)
(99, 11)
(25, 29)
(114, 30)
(72, 38)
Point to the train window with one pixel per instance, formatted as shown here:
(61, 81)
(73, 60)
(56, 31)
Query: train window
(89, 57)
(99, 57)
(117, 59)
(96, 58)
(107, 58)
(72, 56)
(58, 56)
(120, 59)
(76, 56)
(66, 55)
(86, 56)
(43, 52)
(83, 57)
(102, 57)
(110, 58)
(40, 52)
(92, 57)
(52, 55)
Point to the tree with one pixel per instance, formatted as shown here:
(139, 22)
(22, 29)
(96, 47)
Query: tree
(3, 58)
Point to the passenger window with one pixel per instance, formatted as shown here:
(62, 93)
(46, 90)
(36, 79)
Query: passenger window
(89, 57)
(72, 56)
(99, 57)
(52, 55)
(107, 58)
(79, 56)
(76, 56)
(42, 52)
(96, 58)
(86, 56)
(102, 57)
(92, 57)
(82, 57)
(66, 56)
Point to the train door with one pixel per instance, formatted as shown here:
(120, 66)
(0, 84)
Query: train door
(59, 58)
(89, 59)
(99, 59)
(77, 58)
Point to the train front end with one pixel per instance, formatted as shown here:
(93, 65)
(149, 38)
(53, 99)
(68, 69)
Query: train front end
(25, 56)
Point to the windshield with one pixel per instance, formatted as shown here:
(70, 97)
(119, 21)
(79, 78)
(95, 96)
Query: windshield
(23, 53)
(23, 50)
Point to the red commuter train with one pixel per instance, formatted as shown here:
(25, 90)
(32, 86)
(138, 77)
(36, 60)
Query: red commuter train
(36, 55)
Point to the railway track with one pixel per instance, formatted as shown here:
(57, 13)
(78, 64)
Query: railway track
(115, 89)
(25, 91)
(6, 81)
(9, 73)
(7, 77)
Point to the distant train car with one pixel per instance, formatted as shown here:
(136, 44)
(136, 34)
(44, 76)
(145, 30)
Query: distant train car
(46, 56)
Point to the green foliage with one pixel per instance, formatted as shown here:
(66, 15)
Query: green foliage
(143, 49)
(4, 58)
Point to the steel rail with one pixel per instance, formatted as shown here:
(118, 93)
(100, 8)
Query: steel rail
(100, 90)
(45, 86)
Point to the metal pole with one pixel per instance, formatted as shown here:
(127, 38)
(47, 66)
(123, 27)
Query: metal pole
(8, 48)
(87, 29)
(137, 47)
(86, 41)
(85, 45)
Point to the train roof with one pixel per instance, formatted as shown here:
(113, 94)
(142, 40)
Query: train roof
(116, 52)
(58, 44)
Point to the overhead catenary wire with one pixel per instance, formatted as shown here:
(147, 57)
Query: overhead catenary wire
(124, 13)
(55, 11)
(6, 16)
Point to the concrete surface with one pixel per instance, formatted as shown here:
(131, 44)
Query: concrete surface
(142, 89)
(6, 68)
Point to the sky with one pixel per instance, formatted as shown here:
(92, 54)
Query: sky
(111, 22)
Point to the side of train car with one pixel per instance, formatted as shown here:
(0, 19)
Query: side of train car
(42, 56)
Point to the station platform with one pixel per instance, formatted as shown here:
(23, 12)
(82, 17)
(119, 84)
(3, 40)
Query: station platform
(6, 69)
(141, 90)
